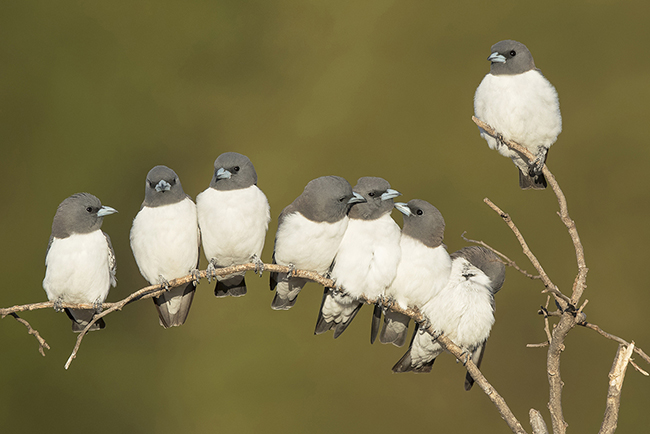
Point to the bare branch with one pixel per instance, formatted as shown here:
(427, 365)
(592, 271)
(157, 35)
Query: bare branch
(42, 345)
(509, 262)
(579, 284)
(616, 377)
(537, 422)
(600, 331)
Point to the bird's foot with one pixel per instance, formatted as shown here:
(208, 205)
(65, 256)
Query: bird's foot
(424, 325)
(98, 306)
(464, 357)
(259, 265)
(292, 268)
(58, 305)
(211, 270)
(536, 166)
(164, 282)
(196, 274)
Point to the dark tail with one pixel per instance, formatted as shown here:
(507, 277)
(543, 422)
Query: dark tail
(81, 317)
(233, 286)
(534, 181)
(179, 300)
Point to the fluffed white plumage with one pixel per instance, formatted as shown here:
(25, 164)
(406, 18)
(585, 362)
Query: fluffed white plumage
(296, 239)
(233, 224)
(366, 264)
(523, 108)
(165, 242)
(79, 268)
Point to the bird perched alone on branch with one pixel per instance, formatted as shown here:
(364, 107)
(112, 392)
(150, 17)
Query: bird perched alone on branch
(423, 270)
(367, 258)
(463, 310)
(234, 216)
(165, 242)
(309, 233)
(80, 259)
(517, 101)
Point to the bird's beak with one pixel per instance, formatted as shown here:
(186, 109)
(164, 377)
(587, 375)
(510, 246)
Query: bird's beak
(356, 198)
(390, 194)
(106, 210)
(163, 186)
(403, 208)
(496, 58)
(223, 173)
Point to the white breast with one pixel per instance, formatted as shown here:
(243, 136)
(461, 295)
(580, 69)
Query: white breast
(422, 272)
(165, 240)
(306, 244)
(366, 262)
(522, 107)
(78, 268)
(233, 224)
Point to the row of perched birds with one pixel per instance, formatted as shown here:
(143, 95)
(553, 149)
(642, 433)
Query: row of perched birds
(332, 228)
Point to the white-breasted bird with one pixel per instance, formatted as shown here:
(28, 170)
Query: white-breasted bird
(521, 105)
(423, 270)
(234, 216)
(366, 262)
(165, 242)
(80, 259)
(309, 233)
(463, 310)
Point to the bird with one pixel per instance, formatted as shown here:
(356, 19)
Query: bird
(80, 260)
(517, 101)
(366, 262)
(234, 216)
(165, 243)
(309, 233)
(423, 270)
(463, 310)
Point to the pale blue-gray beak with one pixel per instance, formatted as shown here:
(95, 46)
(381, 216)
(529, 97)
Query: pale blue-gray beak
(496, 58)
(403, 208)
(390, 194)
(223, 173)
(356, 198)
(163, 186)
(106, 210)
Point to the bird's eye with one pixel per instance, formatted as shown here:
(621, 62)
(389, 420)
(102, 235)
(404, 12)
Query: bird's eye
(371, 194)
(419, 212)
(89, 209)
(236, 168)
(513, 53)
(341, 199)
(152, 184)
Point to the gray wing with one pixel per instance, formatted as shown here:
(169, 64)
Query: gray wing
(49, 244)
(477, 358)
(112, 263)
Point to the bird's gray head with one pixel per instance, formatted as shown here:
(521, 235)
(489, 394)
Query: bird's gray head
(81, 213)
(423, 222)
(326, 199)
(379, 198)
(509, 58)
(233, 171)
(487, 261)
(162, 187)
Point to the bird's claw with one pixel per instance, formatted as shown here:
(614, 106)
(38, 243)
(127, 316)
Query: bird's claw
(164, 282)
(424, 326)
(98, 306)
(58, 305)
(292, 269)
(259, 265)
(211, 271)
(464, 355)
(196, 274)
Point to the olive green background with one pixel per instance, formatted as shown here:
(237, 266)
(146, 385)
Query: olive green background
(95, 93)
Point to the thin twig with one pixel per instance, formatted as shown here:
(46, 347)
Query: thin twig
(507, 261)
(616, 377)
(602, 332)
(42, 345)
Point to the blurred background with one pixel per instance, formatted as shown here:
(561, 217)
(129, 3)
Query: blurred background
(94, 94)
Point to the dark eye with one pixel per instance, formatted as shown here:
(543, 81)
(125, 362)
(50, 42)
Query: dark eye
(419, 212)
(152, 185)
(89, 209)
(341, 199)
(236, 168)
(371, 194)
(513, 53)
